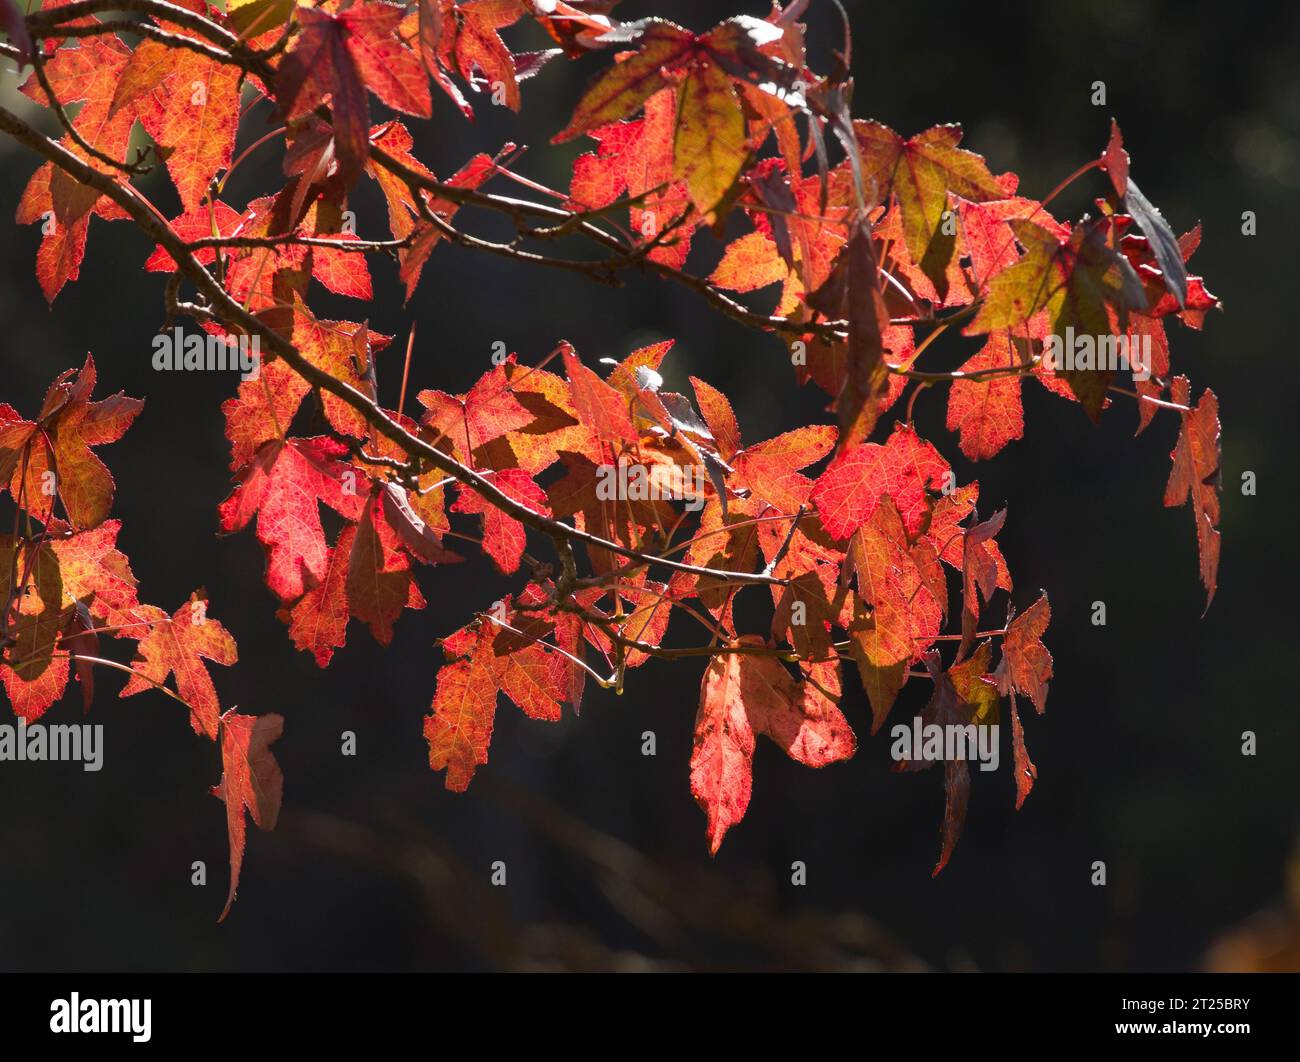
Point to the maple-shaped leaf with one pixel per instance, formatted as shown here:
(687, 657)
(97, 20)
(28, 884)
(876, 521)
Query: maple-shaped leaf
(189, 103)
(50, 459)
(921, 172)
(282, 487)
(987, 411)
(602, 407)
(379, 582)
(86, 74)
(177, 645)
(636, 157)
(470, 421)
(979, 574)
(709, 144)
(906, 468)
(250, 779)
(34, 675)
(905, 613)
(1025, 667)
(341, 56)
(1028, 664)
(743, 695)
(94, 572)
(770, 469)
(318, 620)
(504, 537)
(1195, 475)
(487, 658)
(480, 54)
(1079, 282)
(986, 232)
(666, 52)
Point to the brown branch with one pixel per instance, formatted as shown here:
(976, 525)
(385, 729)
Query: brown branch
(621, 257)
(354, 246)
(42, 22)
(145, 29)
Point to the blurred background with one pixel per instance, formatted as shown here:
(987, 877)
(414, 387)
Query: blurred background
(376, 866)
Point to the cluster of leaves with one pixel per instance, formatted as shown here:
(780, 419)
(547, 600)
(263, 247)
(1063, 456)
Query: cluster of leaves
(872, 553)
(65, 584)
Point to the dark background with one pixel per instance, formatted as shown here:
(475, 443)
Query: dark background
(375, 866)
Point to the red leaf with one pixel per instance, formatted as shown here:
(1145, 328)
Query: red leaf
(905, 613)
(490, 658)
(282, 486)
(318, 621)
(178, 645)
(771, 469)
(387, 66)
(742, 695)
(60, 453)
(1195, 475)
(489, 410)
(504, 537)
(598, 404)
(379, 582)
(320, 64)
(189, 104)
(1028, 663)
(922, 172)
(905, 469)
(987, 412)
(250, 779)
